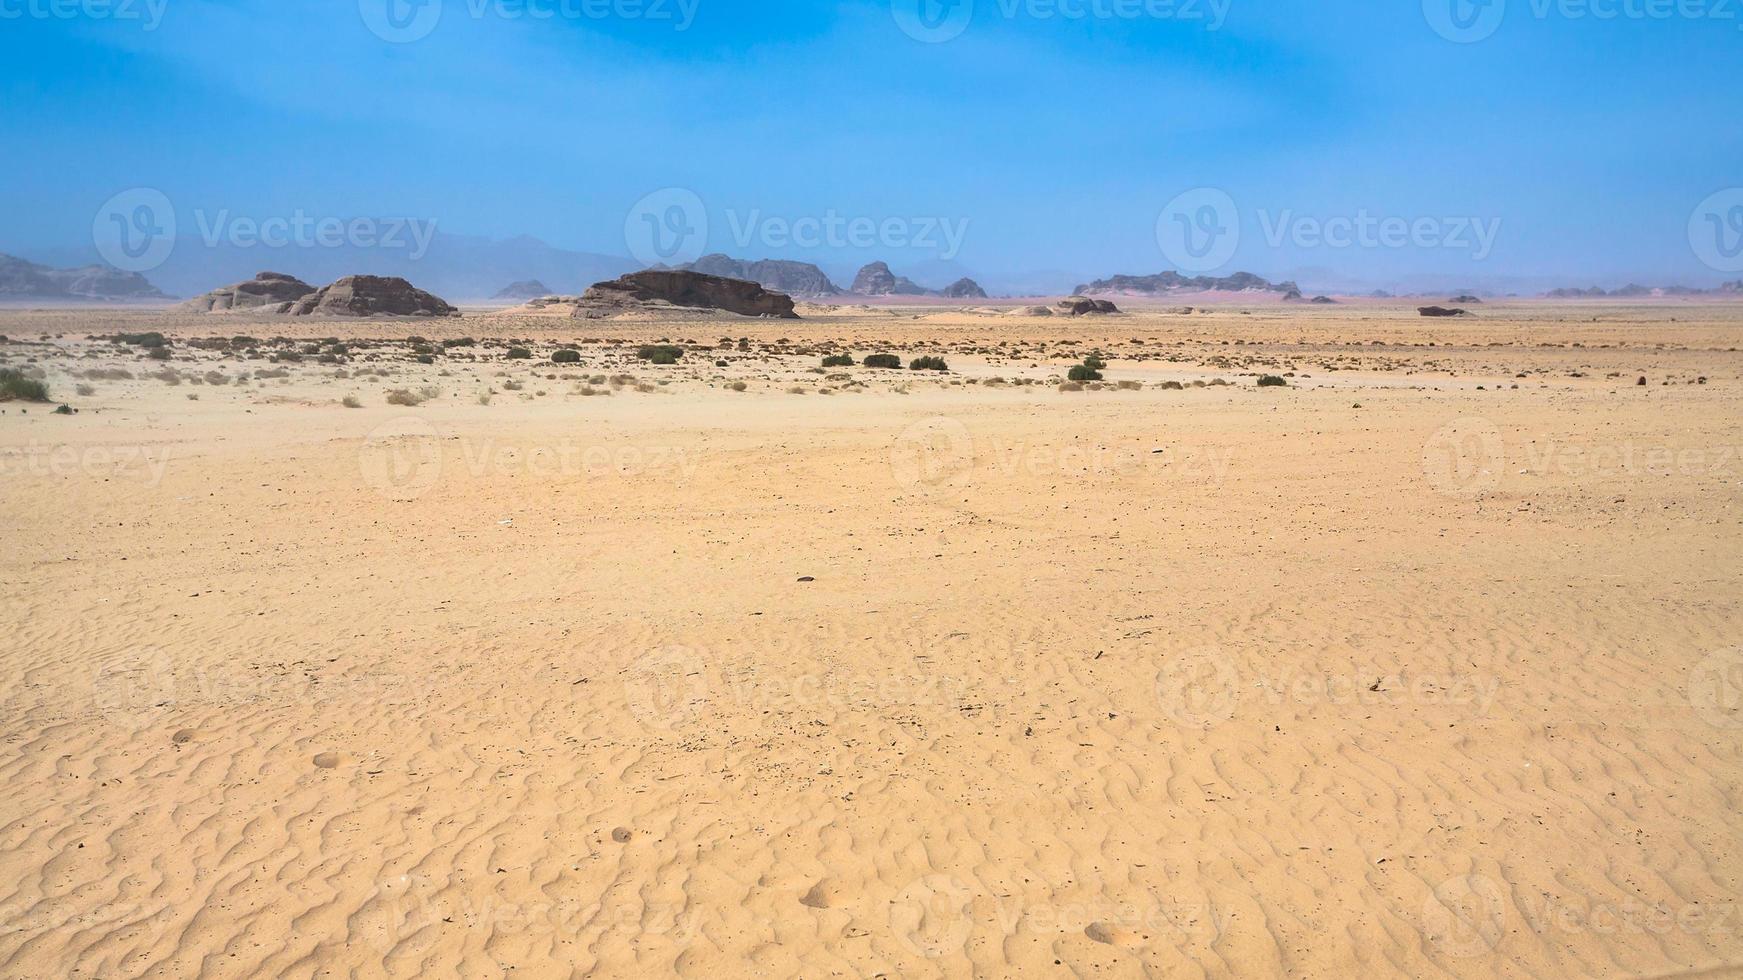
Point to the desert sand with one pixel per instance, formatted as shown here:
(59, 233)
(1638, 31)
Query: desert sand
(1428, 663)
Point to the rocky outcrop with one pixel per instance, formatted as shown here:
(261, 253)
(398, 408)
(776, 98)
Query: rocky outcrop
(523, 289)
(964, 288)
(20, 279)
(1323, 300)
(1083, 306)
(780, 275)
(876, 279)
(1174, 282)
(371, 296)
(1439, 311)
(1465, 298)
(657, 288)
(267, 292)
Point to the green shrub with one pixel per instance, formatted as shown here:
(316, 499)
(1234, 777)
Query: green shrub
(14, 385)
(1271, 381)
(659, 353)
(1082, 372)
(882, 361)
(838, 360)
(566, 356)
(519, 354)
(1094, 362)
(152, 339)
(928, 364)
(461, 342)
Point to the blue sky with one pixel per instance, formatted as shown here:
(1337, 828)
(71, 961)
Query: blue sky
(1052, 143)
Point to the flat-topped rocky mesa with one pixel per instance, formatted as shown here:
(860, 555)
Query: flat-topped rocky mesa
(1083, 306)
(267, 292)
(371, 296)
(664, 288)
(1169, 282)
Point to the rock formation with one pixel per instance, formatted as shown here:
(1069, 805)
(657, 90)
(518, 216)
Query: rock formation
(20, 279)
(655, 288)
(876, 279)
(371, 296)
(779, 275)
(267, 292)
(964, 288)
(1083, 306)
(523, 289)
(1174, 282)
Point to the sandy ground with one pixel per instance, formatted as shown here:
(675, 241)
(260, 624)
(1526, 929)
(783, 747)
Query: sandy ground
(1427, 664)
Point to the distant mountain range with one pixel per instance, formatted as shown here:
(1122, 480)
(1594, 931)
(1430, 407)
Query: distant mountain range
(22, 280)
(780, 275)
(806, 280)
(1166, 283)
(1637, 290)
(459, 267)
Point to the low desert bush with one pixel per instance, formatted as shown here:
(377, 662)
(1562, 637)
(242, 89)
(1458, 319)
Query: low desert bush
(402, 396)
(659, 353)
(15, 386)
(738, 386)
(1083, 372)
(566, 356)
(1271, 381)
(1071, 386)
(838, 360)
(519, 354)
(882, 361)
(928, 364)
(351, 401)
